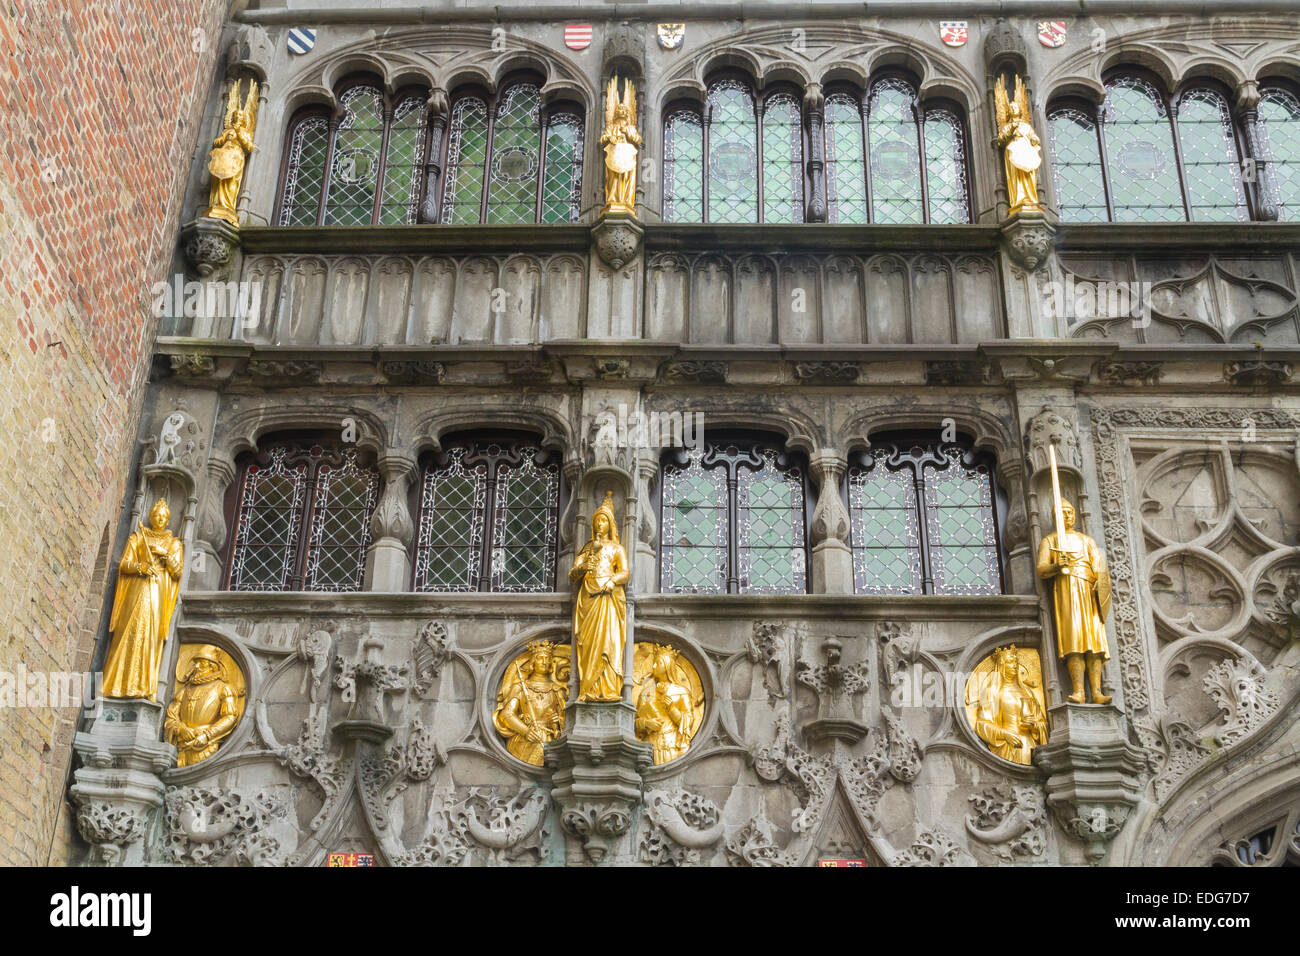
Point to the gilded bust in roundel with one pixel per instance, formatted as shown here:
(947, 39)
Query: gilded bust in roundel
(669, 700)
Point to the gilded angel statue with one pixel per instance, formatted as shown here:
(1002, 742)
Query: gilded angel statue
(1022, 149)
(227, 159)
(620, 140)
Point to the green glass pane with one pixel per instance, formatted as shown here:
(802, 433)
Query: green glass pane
(1076, 166)
(354, 172)
(683, 168)
(1210, 157)
(846, 177)
(1279, 131)
(945, 168)
(892, 146)
(782, 160)
(1140, 150)
(516, 152)
(306, 172)
(885, 531)
(963, 536)
(403, 164)
(466, 158)
(562, 182)
(733, 154)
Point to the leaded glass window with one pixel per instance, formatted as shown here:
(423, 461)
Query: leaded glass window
(403, 163)
(354, 169)
(462, 194)
(1076, 166)
(562, 188)
(1279, 134)
(945, 168)
(488, 519)
(1209, 152)
(782, 159)
(894, 157)
(304, 175)
(516, 156)
(683, 167)
(846, 169)
(733, 522)
(1140, 147)
(303, 520)
(732, 153)
(923, 520)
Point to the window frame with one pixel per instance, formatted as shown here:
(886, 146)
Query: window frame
(1290, 87)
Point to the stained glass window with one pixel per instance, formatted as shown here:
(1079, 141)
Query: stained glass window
(305, 174)
(1210, 161)
(354, 171)
(846, 175)
(403, 163)
(1279, 129)
(945, 167)
(462, 193)
(488, 519)
(1076, 166)
(297, 493)
(562, 187)
(892, 148)
(733, 521)
(733, 154)
(683, 167)
(1140, 147)
(782, 159)
(516, 155)
(923, 520)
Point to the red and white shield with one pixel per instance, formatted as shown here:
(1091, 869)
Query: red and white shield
(577, 36)
(1051, 33)
(953, 32)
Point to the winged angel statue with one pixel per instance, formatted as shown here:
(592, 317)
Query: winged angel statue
(226, 161)
(620, 140)
(1022, 150)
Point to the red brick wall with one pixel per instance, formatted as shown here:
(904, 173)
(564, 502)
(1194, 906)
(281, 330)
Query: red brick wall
(99, 113)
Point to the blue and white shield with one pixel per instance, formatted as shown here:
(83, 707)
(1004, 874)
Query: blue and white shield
(301, 39)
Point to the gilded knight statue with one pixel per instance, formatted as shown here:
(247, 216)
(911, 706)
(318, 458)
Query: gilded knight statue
(147, 582)
(620, 140)
(204, 709)
(529, 712)
(600, 609)
(1022, 149)
(229, 150)
(1081, 596)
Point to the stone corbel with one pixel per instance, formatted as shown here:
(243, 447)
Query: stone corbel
(836, 685)
(617, 238)
(387, 561)
(210, 246)
(832, 558)
(1028, 238)
(814, 106)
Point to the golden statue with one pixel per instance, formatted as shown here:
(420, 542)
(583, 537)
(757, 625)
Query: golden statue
(1081, 588)
(600, 608)
(1004, 701)
(207, 703)
(620, 140)
(226, 161)
(147, 581)
(669, 700)
(1022, 150)
(530, 705)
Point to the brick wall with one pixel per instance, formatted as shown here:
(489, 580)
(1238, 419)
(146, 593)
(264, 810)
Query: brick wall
(99, 112)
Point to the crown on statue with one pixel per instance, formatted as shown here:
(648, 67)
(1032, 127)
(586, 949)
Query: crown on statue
(1004, 654)
(540, 648)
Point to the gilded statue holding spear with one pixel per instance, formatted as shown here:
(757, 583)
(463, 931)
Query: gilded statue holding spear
(227, 159)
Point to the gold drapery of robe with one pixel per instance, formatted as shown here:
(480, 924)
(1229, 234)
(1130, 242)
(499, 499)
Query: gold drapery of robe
(600, 609)
(226, 167)
(1081, 594)
(1021, 158)
(1010, 718)
(147, 583)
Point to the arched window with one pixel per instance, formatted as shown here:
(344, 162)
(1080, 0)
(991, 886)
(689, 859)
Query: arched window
(892, 144)
(309, 142)
(1153, 158)
(683, 167)
(303, 518)
(731, 145)
(782, 159)
(846, 167)
(488, 517)
(512, 162)
(923, 519)
(733, 521)
(1279, 134)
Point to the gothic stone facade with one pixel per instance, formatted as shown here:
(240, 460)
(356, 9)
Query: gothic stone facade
(834, 722)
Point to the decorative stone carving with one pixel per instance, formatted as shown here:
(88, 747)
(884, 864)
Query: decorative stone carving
(210, 246)
(413, 372)
(364, 683)
(1028, 239)
(1004, 46)
(507, 827)
(695, 372)
(836, 685)
(769, 647)
(617, 238)
(1284, 612)
(1010, 820)
(753, 845)
(270, 373)
(597, 826)
(1183, 752)
(832, 558)
(423, 755)
(932, 847)
(1237, 687)
(1049, 428)
(210, 826)
(432, 650)
(250, 50)
(1256, 373)
(611, 368)
(900, 648)
(681, 826)
(191, 364)
(1131, 374)
(108, 829)
(956, 372)
(180, 442)
(827, 372)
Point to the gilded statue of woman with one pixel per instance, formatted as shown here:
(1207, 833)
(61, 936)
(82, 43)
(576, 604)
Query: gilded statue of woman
(226, 161)
(1009, 716)
(665, 714)
(600, 608)
(1081, 592)
(1022, 150)
(147, 582)
(620, 140)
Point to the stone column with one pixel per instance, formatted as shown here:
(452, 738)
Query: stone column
(210, 531)
(645, 562)
(814, 105)
(438, 113)
(1248, 116)
(388, 565)
(832, 559)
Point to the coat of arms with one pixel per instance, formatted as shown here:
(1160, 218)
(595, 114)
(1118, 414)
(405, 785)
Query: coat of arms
(577, 36)
(671, 35)
(953, 32)
(1051, 33)
(301, 40)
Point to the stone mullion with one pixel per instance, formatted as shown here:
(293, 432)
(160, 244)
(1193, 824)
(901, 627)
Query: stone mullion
(388, 565)
(814, 103)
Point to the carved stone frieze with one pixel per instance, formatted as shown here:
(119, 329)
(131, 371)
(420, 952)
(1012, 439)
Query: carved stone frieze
(210, 826)
(693, 371)
(753, 845)
(680, 827)
(1132, 374)
(1010, 820)
(1256, 373)
(431, 652)
(413, 372)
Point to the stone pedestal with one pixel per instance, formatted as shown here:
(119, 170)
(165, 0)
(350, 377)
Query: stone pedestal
(597, 766)
(1093, 770)
(210, 246)
(118, 786)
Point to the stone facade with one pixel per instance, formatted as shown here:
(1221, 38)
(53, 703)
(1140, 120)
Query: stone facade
(100, 116)
(368, 724)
